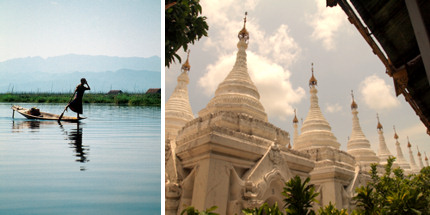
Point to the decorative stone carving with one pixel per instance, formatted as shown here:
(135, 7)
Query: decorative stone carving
(173, 192)
(275, 155)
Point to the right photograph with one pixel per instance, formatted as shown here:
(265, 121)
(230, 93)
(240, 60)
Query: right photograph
(297, 107)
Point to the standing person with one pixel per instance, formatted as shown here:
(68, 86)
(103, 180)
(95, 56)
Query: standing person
(76, 104)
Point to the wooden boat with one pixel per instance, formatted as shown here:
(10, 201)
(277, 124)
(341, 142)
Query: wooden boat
(34, 113)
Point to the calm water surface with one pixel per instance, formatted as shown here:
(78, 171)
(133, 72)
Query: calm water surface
(107, 164)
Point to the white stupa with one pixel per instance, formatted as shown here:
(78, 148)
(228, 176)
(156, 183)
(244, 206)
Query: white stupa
(383, 152)
(414, 166)
(296, 127)
(237, 93)
(400, 159)
(178, 109)
(177, 113)
(426, 159)
(358, 145)
(420, 160)
(316, 131)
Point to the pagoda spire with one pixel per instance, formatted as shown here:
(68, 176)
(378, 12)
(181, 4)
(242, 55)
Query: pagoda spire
(383, 152)
(295, 125)
(420, 160)
(315, 131)
(414, 166)
(400, 158)
(237, 93)
(178, 109)
(426, 159)
(358, 145)
(313, 81)
(353, 104)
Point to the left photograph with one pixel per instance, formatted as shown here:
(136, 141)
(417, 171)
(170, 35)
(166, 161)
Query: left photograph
(80, 107)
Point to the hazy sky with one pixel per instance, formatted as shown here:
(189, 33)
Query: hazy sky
(125, 28)
(285, 38)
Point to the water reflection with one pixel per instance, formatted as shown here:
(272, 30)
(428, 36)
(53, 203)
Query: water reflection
(81, 150)
(40, 162)
(74, 135)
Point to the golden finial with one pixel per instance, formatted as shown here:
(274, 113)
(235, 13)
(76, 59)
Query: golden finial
(295, 120)
(353, 104)
(426, 156)
(379, 127)
(313, 80)
(243, 34)
(186, 66)
(395, 133)
(289, 145)
(419, 154)
(244, 19)
(409, 144)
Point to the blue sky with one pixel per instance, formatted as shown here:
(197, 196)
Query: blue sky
(285, 38)
(46, 28)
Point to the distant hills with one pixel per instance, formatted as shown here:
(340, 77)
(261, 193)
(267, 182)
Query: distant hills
(62, 73)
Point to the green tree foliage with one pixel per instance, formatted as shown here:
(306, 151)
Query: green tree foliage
(299, 196)
(183, 26)
(395, 193)
(190, 210)
(389, 193)
(330, 209)
(264, 209)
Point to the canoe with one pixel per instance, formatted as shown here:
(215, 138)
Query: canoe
(34, 113)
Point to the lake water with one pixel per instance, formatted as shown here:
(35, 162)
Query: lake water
(107, 164)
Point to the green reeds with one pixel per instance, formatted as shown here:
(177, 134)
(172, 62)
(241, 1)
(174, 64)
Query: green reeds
(132, 99)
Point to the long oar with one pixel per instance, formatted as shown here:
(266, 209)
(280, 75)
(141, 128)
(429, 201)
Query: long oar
(61, 116)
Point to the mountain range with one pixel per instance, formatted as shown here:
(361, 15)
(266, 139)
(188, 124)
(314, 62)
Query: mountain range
(63, 73)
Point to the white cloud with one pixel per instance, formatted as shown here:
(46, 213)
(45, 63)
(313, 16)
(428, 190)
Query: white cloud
(276, 92)
(333, 108)
(279, 47)
(226, 20)
(377, 94)
(414, 130)
(216, 73)
(326, 22)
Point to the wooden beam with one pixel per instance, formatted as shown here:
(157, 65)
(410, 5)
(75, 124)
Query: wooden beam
(364, 31)
(421, 34)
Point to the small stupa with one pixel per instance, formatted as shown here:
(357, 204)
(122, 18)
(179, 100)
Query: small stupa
(420, 160)
(315, 131)
(296, 127)
(383, 152)
(178, 109)
(426, 159)
(358, 145)
(414, 166)
(177, 113)
(400, 159)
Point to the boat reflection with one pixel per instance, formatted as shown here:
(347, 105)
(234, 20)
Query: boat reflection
(33, 125)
